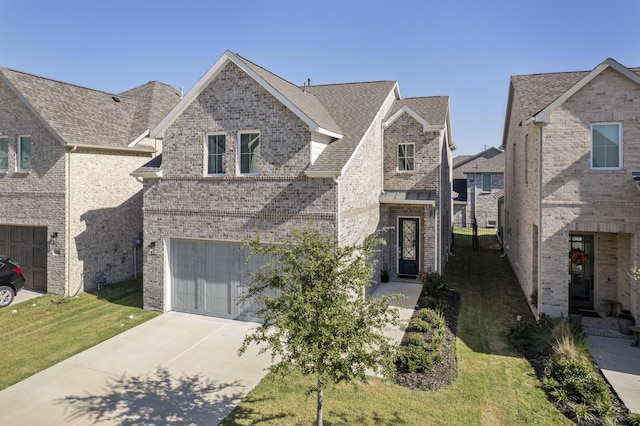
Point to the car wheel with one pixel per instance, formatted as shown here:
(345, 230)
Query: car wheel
(6, 296)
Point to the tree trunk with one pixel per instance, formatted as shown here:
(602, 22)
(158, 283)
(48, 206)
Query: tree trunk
(319, 415)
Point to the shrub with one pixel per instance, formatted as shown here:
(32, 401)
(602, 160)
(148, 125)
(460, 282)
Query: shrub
(521, 334)
(414, 358)
(634, 419)
(579, 380)
(417, 340)
(432, 283)
(418, 324)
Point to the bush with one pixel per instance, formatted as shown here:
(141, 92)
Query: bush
(521, 335)
(414, 358)
(418, 324)
(432, 283)
(417, 340)
(579, 380)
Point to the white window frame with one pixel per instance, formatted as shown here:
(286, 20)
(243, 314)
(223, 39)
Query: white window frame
(19, 157)
(239, 156)
(619, 167)
(490, 182)
(6, 139)
(206, 150)
(406, 157)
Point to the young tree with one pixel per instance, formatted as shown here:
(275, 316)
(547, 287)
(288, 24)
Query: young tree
(317, 315)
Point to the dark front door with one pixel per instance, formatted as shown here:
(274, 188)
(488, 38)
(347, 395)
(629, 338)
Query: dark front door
(408, 247)
(581, 274)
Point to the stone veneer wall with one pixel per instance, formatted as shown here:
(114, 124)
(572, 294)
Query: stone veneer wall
(185, 203)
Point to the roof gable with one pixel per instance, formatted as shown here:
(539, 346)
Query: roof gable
(300, 102)
(540, 94)
(85, 117)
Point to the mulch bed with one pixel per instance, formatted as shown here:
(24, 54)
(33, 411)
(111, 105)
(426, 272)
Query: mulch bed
(445, 372)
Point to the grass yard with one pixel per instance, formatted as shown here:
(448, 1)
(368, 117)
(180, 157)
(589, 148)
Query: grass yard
(48, 329)
(495, 385)
(469, 231)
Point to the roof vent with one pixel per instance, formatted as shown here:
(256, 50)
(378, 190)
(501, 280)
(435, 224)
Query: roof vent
(115, 98)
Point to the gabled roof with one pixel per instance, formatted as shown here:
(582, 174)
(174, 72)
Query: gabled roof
(539, 94)
(490, 160)
(85, 117)
(300, 102)
(354, 107)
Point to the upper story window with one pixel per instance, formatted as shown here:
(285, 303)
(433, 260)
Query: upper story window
(24, 153)
(216, 148)
(606, 146)
(4, 153)
(486, 182)
(249, 153)
(406, 157)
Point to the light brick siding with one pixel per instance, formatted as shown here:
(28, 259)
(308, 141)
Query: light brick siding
(575, 198)
(483, 204)
(106, 217)
(36, 198)
(186, 204)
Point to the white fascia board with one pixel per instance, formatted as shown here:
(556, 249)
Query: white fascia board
(412, 113)
(544, 116)
(142, 149)
(421, 202)
(139, 138)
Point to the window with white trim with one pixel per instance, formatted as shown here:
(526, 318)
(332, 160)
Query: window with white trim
(406, 157)
(4, 153)
(486, 182)
(606, 146)
(249, 153)
(216, 148)
(24, 153)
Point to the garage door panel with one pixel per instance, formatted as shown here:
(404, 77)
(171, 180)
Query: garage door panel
(28, 247)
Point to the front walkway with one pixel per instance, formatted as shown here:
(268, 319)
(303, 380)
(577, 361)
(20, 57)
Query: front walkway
(618, 360)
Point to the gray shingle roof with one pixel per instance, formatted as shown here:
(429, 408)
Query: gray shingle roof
(434, 109)
(353, 107)
(488, 161)
(537, 91)
(302, 99)
(90, 117)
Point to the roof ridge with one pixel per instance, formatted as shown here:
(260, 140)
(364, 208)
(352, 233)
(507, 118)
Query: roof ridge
(352, 82)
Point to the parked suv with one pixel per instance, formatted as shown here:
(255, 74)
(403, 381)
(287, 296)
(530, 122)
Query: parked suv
(11, 281)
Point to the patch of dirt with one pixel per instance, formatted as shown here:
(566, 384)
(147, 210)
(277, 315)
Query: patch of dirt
(445, 372)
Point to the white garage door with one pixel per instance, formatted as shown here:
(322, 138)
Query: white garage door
(208, 276)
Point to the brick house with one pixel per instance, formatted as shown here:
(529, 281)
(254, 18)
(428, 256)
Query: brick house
(70, 211)
(247, 152)
(478, 181)
(571, 146)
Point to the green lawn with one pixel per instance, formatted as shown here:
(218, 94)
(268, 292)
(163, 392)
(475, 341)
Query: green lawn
(48, 329)
(495, 385)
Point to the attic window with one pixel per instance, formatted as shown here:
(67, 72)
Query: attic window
(115, 99)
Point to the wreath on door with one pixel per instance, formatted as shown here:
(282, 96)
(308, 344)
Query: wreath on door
(578, 257)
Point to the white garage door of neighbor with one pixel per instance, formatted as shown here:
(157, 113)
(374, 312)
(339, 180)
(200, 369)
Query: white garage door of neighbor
(207, 277)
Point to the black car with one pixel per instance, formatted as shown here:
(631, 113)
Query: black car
(11, 281)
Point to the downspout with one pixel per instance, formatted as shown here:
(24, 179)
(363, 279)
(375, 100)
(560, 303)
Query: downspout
(336, 180)
(539, 236)
(437, 211)
(68, 223)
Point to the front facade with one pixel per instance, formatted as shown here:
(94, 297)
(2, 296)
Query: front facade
(478, 181)
(571, 157)
(70, 212)
(248, 154)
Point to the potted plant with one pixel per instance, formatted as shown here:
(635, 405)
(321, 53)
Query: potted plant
(625, 320)
(384, 274)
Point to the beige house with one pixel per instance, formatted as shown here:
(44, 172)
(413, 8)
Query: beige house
(248, 153)
(572, 153)
(70, 212)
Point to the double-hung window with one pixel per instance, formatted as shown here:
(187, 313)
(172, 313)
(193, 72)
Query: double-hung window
(216, 147)
(486, 182)
(606, 146)
(4, 153)
(406, 157)
(249, 153)
(24, 153)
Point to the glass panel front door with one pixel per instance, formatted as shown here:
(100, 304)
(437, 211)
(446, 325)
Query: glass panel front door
(581, 272)
(408, 247)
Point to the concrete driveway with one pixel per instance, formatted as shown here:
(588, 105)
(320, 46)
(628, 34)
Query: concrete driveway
(176, 368)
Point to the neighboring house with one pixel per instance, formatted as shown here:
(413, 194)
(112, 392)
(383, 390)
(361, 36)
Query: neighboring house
(70, 212)
(478, 181)
(572, 151)
(246, 153)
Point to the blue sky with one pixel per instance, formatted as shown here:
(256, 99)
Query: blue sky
(464, 49)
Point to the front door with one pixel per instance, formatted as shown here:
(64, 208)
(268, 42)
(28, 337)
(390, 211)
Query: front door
(581, 273)
(408, 247)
